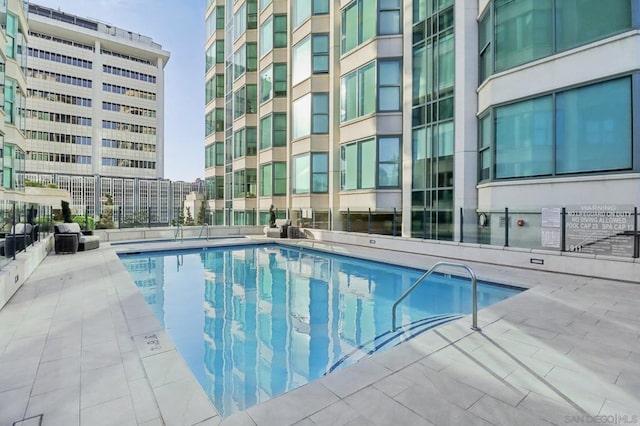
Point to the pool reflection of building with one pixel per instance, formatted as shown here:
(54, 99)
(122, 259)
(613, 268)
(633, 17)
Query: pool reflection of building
(148, 274)
(277, 336)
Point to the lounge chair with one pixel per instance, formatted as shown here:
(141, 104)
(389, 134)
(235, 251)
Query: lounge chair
(66, 243)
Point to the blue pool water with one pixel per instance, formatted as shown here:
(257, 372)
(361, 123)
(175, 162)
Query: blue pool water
(255, 321)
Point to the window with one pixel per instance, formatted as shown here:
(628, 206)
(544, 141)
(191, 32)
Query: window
(582, 21)
(310, 115)
(209, 156)
(240, 22)
(593, 128)
(11, 31)
(358, 92)
(264, 3)
(301, 11)
(525, 138)
(360, 19)
(389, 161)
(301, 68)
(310, 55)
(389, 86)
(210, 90)
(219, 154)
(244, 100)
(273, 130)
(362, 164)
(311, 173)
(320, 47)
(582, 130)
(389, 17)
(273, 34)
(523, 33)
(239, 61)
(244, 142)
(244, 183)
(273, 82)
(273, 179)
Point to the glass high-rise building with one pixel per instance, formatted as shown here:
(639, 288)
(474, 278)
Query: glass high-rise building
(349, 111)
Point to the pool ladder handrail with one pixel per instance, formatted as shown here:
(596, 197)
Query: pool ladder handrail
(178, 230)
(474, 290)
(204, 226)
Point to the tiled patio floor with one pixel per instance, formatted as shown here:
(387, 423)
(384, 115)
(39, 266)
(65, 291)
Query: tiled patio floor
(79, 345)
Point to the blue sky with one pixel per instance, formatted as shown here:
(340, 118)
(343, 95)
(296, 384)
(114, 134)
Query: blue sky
(179, 27)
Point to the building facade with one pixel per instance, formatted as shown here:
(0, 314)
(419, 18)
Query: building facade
(404, 117)
(95, 101)
(13, 60)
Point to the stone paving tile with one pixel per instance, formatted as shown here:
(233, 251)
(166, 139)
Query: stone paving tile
(17, 373)
(499, 413)
(238, 419)
(183, 402)
(355, 377)
(59, 407)
(60, 373)
(552, 410)
(115, 412)
(436, 383)
(103, 384)
(100, 355)
(439, 410)
(13, 404)
(338, 414)
(144, 402)
(380, 409)
(293, 406)
(57, 348)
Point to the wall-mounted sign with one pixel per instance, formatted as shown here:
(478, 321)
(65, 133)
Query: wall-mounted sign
(600, 229)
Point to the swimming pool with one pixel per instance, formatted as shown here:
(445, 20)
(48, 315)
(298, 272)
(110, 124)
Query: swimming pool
(255, 321)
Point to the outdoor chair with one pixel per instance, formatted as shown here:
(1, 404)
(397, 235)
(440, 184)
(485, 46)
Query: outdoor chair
(64, 233)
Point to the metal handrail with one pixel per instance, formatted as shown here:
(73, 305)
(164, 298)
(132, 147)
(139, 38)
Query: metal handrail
(474, 289)
(181, 231)
(204, 226)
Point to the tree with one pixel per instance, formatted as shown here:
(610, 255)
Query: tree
(66, 212)
(189, 220)
(181, 214)
(202, 214)
(106, 217)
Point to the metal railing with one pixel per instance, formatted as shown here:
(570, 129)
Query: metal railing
(179, 230)
(474, 290)
(205, 226)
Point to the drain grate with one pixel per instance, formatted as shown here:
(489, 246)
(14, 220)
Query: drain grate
(29, 421)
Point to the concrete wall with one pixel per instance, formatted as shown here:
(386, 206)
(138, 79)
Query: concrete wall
(616, 268)
(131, 234)
(16, 272)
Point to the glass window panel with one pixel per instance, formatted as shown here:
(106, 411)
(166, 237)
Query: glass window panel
(280, 80)
(301, 119)
(368, 164)
(266, 84)
(301, 61)
(446, 62)
(279, 129)
(350, 27)
(388, 175)
(524, 138)
(581, 21)
(389, 22)
(266, 180)
(369, 20)
(279, 178)
(523, 31)
(593, 128)
(367, 89)
(265, 132)
(349, 96)
(266, 37)
(301, 11)
(302, 174)
(320, 7)
(349, 166)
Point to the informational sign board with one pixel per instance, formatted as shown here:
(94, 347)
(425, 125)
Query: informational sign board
(600, 229)
(550, 227)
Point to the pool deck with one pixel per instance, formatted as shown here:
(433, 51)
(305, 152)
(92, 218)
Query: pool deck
(79, 345)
